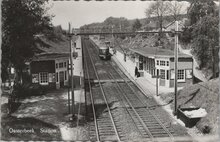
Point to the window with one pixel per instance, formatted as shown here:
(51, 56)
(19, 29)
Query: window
(162, 63)
(43, 78)
(56, 65)
(64, 64)
(162, 74)
(140, 62)
(61, 65)
(189, 73)
(180, 75)
(35, 78)
(157, 62)
(57, 77)
(65, 75)
(140, 66)
(167, 63)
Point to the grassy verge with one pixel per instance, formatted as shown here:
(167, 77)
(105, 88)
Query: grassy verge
(37, 118)
(14, 129)
(204, 95)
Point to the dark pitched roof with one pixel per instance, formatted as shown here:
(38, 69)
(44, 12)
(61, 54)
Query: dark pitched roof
(50, 46)
(50, 56)
(157, 52)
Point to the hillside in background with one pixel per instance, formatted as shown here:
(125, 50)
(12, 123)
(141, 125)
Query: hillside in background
(123, 23)
(53, 41)
(140, 41)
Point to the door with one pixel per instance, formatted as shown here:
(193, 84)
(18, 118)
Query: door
(61, 75)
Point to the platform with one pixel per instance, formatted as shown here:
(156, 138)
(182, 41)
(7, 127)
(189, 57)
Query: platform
(111, 81)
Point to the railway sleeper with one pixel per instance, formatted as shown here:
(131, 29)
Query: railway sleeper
(154, 126)
(157, 131)
(105, 125)
(107, 133)
(150, 120)
(160, 135)
(104, 118)
(157, 124)
(108, 138)
(92, 139)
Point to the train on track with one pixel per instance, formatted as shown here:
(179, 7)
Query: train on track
(86, 37)
(104, 53)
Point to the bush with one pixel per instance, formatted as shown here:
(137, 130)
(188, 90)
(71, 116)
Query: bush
(27, 90)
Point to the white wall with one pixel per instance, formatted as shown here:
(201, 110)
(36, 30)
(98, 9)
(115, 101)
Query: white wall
(59, 70)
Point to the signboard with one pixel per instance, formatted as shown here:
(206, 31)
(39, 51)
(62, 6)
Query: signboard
(35, 78)
(50, 77)
(188, 73)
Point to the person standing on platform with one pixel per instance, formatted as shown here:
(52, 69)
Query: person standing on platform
(136, 71)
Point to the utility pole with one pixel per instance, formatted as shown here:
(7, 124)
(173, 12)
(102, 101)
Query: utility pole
(176, 67)
(71, 64)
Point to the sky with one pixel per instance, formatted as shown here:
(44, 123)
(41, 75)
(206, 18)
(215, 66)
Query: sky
(79, 13)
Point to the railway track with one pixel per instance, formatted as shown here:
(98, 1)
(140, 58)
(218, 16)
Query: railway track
(104, 127)
(148, 124)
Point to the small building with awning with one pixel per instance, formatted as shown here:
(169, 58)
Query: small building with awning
(155, 61)
(50, 70)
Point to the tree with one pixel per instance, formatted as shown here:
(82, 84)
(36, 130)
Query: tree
(159, 9)
(204, 33)
(175, 9)
(137, 25)
(22, 20)
(205, 36)
(118, 23)
(199, 9)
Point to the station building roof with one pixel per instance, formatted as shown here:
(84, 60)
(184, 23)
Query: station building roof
(157, 52)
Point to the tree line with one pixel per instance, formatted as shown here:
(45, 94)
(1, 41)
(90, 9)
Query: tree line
(22, 22)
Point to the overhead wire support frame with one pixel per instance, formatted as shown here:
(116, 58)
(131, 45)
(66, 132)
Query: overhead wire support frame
(114, 33)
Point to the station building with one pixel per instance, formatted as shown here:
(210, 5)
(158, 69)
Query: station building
(50, 67)
(153, 61)
(50, 70)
